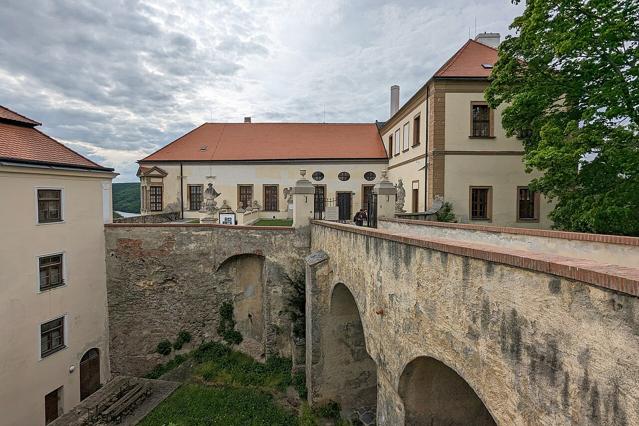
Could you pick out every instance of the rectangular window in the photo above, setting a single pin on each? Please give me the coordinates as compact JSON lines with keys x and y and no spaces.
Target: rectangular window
{"x":367,"y":190}
{"x":144,"y":199}
{"x":49,"y":205}
{"x":397,"y":142}
{"x":527,"y":204}
{"x":51,"y":272}
{"x":195,"y":197}
{"x":416,"y":130}
{"x":405,"y":138}
{"x":390,"y":146}
{"x":155,"y":198}
{"x":270,"y":198}
{"x":480,"y":203}
{"x":245,"y":196}
{"x":51,"y":337}
{"x":415,"y":196}
{"x":52,"y":405}
{"x":480,"y":120}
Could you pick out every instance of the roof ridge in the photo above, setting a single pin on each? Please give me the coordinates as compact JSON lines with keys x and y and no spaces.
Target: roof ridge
{"x":37,"y":123}
{"x":452,"y":59}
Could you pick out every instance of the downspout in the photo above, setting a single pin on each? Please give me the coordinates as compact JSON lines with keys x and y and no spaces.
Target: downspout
{"x":181,"y":192}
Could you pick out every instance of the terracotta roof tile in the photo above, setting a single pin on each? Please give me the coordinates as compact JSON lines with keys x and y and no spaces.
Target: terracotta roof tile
{"x":25,"y":144}
{"x":468,"y":61}
{"x":7,"y":114}
{"x":274,"y":141}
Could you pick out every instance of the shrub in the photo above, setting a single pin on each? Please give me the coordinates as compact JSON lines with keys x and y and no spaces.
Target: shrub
{"x":330,"y":410}
{"x":299,"y":383}
{"x":164,"y":347}
{"x":184,"y":336}
{"x":160,"y":369}
{"x":445,"y":214}
{"x":226,"y":329}
{"x":296,"y":304}
{"x":210,"y":351}
{"x":232,"y":337}
{"x":177,"y":345}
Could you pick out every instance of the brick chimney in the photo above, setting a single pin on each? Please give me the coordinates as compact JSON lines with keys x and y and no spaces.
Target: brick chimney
{"x":247,"y":119}
{"x":489,"y":39}
{"x":394,"y":100}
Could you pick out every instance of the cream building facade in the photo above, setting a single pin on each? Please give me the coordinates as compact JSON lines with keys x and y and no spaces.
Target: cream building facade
{"x":53,"y":279}
{"x":249,"y":163}
{"x":445,"y":142}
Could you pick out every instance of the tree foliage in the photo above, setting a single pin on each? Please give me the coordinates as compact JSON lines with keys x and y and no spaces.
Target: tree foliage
{"x":570,"y":78}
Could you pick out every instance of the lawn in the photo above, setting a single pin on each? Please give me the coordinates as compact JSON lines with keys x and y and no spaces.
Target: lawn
{"x":274,"y":222}
{"x":226,"y":387}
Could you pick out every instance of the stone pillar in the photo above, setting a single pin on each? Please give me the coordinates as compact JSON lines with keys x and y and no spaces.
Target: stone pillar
{"x":303,"y":201}
{"x":317,"y":302}
{"x":386,"y":197}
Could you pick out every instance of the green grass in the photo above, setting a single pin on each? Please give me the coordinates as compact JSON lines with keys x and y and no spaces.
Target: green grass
{"x":195,"y":404}
{"x":274,"y":222}
{"x":126,"y":197}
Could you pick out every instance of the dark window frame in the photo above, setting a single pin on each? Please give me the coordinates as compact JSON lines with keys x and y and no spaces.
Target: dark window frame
{"x":317,"y":176}
{"x":48,"y":264}
{"x":370,"y":176}
{"x":532,"y":207}
{"x":47,"y":331}
{"x":390,"y":145}
{"x":417,"y":129}
{"x":241,"y":196}
{"x":46,"y":202}
{"x":344,"y":176}
{"x":156,"y":201}
{"x":195,"y":197}
{"x":268,"y":204}
{"x":475,"y":209}
{"x":481,"y":127}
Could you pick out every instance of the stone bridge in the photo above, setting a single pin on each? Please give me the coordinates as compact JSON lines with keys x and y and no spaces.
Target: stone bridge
{"x":459,"y":324}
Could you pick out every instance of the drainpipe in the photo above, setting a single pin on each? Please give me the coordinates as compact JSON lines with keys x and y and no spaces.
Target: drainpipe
{"x":181,"y":192}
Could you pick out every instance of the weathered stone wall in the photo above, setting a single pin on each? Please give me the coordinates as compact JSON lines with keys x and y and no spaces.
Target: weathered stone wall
{"x":535,"y":348}
{"x":165,"y":278}
{"x":150,"y":218}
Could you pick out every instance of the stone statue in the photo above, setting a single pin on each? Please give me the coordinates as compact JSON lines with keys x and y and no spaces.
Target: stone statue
{"x":256,"y":205}
{"x":288,"y":194}
{"x":209,"y":205}
{"x":401,"y":197}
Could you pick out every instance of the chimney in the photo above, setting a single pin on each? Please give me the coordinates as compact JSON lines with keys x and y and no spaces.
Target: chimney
{"x":394,"y":100}
{"x":247,"y":119}
{"x":489,"y":39}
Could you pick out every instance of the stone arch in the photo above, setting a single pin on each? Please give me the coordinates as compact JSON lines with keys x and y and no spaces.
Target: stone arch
{"x":351,"y":373}
{"x":434,"y":393}
{"x":245,"y":274}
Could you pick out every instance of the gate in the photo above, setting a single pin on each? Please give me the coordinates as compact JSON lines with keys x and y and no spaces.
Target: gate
{"x":320,"y":204}
{"x":372,"y":210}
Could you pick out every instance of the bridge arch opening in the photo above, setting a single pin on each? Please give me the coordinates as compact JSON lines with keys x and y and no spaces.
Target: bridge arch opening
{"x":351,"y":372}
{"x":245,"y":276}
{"x":434,"y":394}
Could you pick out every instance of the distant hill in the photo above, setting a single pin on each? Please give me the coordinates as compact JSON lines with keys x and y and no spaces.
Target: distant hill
{"x":126,"y":197}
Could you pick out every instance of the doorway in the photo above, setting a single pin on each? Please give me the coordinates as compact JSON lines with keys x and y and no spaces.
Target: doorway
{"x":344,"y":201}
{"x":89,"y":373}
{"x":52,"y":404}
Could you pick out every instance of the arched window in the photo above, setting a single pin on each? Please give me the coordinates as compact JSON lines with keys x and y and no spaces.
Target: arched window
{"x":344,"y":176}
{"x":370,"y":176}
{"x":318,"y":176}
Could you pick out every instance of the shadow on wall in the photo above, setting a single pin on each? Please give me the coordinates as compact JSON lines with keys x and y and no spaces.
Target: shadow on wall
{"x":351,"y":372}
{"x":435,"y":394}
{"x":246,"y":275}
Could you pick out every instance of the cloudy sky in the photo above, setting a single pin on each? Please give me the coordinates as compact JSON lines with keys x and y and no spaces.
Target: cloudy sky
{"x":115,"y":80}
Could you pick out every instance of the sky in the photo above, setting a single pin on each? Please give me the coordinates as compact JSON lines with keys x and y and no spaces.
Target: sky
{"x":116,"y":80}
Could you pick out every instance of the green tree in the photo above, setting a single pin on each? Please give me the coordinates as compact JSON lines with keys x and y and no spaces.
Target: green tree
{"x":570,"y":79}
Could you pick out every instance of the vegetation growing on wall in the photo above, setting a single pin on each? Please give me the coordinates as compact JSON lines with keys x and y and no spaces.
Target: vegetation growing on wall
{"x":126,"y":197}
{"x":296,"y":303}
{"x":164,"y":347}
{"x":226,"y":329}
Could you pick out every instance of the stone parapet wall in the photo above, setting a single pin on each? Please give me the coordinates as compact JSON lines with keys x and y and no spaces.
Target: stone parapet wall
{"x":613,"y":249}
{"x":150,"y":218}
{"x":164,"y":278}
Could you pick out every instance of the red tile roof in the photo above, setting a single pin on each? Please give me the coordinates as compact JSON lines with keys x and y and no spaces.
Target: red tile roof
{"x":21,"y":142}
{"x":469,"y":60}
{"x":274,"y":141}
{"x":7,"y":115}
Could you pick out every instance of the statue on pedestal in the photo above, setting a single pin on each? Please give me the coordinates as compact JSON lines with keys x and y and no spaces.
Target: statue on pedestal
{"x":209,"y":205}
{"x":401,"y":197}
